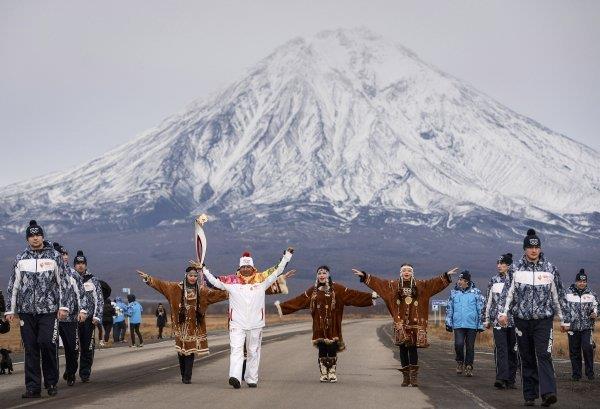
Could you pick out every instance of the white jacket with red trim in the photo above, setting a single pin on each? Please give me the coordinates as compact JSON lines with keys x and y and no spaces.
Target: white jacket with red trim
{"x":247,"y":301}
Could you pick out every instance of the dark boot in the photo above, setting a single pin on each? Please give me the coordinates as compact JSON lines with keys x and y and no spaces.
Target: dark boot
{"x":413,"y":370}
{"x":405,"y":375}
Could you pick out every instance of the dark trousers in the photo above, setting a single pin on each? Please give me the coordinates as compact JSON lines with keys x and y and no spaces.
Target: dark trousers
{"x":87,"y":344}
{"x":39,"y":334}
{"x":505,"y":354}
{"x":107,"y":327}
{"x":186,"y":364}
{"x":464,"y":339}
{"x":118,"y":331}
{"x":70,"y":340}
{"x":581,"y":341}
{"x":135,"y":329}
{"x":408,"y":356}
{"x":327,"y":350}
{"x":534,"y":338}
{"x":160,"y":331}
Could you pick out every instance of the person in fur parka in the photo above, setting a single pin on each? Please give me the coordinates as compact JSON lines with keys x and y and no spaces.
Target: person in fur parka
{"x":326,"y":301}
{"x":407,"y":300}
{"x":189,"y":302}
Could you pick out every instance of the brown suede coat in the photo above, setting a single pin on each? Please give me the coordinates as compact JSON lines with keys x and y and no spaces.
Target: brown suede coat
{"x":327,"y":310}
{"x":190,"y":337}
{"x":414,"y":317}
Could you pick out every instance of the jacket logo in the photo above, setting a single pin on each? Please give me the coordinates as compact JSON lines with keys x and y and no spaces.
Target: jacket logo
{"x":45,"y":264}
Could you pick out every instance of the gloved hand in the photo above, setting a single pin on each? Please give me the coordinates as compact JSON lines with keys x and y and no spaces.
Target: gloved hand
{"x":448,"y":328}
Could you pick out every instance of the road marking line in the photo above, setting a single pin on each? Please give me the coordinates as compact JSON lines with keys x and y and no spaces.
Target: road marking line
{"x":480,"y":402}
{"x":204,"y":357}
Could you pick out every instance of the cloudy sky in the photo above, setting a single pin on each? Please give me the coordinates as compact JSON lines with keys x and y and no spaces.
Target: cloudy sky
{"x":79,"y":78}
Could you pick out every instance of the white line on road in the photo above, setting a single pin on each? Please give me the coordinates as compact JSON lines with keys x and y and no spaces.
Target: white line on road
{"x":480,"y":402}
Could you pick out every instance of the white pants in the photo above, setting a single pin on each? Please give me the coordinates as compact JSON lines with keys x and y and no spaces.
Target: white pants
{"x":253,"y":339}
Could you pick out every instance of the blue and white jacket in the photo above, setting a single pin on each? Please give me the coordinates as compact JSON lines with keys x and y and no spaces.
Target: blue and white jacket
{"x":36,"y":283}
{"x":464,"y":308}
{"x":535,"y":292}
{"x":94,"y":300}
{"x":491,"y":307}
{"x":74,"y":295}
{"x":120,"y":308}
{"x":580,"y":305}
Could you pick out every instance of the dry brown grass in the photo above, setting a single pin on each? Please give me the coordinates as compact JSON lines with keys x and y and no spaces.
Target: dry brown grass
{"x":214,"y":322}
{"x":485,"y":340}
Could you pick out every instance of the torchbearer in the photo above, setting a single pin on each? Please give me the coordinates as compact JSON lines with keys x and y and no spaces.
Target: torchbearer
{"x":326,"y":300}
{"x":247,"y":317}
{"x":407,"y":300}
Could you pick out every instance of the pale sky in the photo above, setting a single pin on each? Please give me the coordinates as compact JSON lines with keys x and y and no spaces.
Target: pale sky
{"x":80,"y":78}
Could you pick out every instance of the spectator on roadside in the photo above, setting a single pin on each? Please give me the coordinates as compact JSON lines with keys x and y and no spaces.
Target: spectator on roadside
{"x":134,"y":312}
{"x":161,"y":319}
{"x":119,"y":320}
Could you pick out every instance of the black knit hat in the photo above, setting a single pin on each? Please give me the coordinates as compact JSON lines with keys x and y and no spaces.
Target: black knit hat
{"x":33,"y":230}
{"x":581,"y":276}
{"x":59,"y":248}
{"x":465,"y":274}
{"x":531,"y":240}
{"x":79,"y":258}
{"x":505,"y":259}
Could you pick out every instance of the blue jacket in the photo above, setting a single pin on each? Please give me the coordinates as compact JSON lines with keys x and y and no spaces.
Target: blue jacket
{"x":535,"y":292}
{"x":464,"y":308}
{"x":134,"y":311}
{"x":580,"y":305}
{"x":36,"y":283}
{"x":120,"y":308}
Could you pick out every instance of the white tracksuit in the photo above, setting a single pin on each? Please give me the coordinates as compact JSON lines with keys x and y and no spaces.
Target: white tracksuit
{"x":246,"y":320}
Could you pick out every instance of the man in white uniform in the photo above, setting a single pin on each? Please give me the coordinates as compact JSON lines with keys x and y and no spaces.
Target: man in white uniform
{"x":247,"y":317}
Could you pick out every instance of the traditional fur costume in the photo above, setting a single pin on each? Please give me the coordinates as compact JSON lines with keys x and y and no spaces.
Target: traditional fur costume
{"x":408,"y":304}
{"x":188,"y":309}
{"x":326,"y":303}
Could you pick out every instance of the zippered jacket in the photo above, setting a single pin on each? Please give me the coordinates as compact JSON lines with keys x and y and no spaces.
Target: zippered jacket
{"x":492,"y":299}
{"x":36,"y":282}
{"x":580,"y":305}
{"x":535,"y":292}
{"x":120,"y":308}
{"x":134,"y":312}
{"x":247,"y":301}
{"x":464,"y":308}
{"x":74,"y":295}
{"x":94,"y":300}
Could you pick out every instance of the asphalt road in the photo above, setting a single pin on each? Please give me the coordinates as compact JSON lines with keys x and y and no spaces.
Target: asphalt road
{"x":149,"y":377}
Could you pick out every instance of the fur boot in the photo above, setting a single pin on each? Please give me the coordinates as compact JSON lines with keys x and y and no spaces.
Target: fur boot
{"x":405,"y":376}
{"x":324,"y":377}
{"x":413,"y":370}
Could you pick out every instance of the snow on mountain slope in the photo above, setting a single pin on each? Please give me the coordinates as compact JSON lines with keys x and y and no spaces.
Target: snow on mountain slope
{"x":333,"y":126}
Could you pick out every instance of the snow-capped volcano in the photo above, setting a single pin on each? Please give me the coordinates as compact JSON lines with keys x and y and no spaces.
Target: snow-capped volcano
{"x":340,"y":126}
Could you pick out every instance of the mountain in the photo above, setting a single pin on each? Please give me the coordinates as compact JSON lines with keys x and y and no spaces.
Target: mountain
{"x":341,"y":130}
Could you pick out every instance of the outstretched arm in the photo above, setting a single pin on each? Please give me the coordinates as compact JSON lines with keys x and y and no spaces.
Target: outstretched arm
{"x":295,"y":304}
{"x":357,"y":298}
{"x":213,"y":281}
{"x":163,"y":287}
{"x":287,"y":256}
{"x":374,"y":283}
